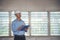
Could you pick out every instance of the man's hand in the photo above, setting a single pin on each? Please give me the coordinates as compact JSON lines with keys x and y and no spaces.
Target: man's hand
{"x":26,"y":29}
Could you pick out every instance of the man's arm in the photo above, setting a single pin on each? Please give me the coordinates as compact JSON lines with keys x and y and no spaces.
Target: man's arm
{"x":19,"y":28}
{"x":22,"y":26}
{"x":13,"y":27}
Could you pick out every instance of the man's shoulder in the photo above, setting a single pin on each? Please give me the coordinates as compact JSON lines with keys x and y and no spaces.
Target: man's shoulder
{"x":14,"y":21}
{"x":22,"y":21}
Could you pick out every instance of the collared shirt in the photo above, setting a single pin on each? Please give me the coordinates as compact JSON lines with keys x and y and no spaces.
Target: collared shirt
{"x":15,"y":25}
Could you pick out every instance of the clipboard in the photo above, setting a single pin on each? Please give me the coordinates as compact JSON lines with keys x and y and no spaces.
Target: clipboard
{"x":23,"y":28}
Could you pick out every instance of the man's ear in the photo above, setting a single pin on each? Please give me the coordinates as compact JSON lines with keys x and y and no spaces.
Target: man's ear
{"x":20,"y":15}
{"x":15,"y":14}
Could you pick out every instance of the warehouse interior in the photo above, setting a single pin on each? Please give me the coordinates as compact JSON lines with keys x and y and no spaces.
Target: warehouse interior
{"x":43,"y":16}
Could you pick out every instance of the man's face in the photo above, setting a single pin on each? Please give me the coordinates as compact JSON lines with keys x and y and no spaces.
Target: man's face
{"x":18,"y":15}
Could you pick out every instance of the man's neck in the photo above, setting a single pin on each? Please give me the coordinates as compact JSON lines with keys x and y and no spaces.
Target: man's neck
{"x":18,"y":19}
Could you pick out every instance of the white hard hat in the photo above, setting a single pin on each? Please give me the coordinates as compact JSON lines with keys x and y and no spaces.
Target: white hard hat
{"x":16,"y":12}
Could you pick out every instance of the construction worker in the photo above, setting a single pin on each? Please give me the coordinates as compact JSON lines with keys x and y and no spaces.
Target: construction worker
{"x":17,"y":24}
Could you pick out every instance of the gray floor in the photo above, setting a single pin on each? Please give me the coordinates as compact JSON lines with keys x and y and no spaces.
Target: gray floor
{"x":35,"y":38}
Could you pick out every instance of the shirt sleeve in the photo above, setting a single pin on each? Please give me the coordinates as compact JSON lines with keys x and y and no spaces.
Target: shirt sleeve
{"x":23,"y":23}
{"x":13,"y":27}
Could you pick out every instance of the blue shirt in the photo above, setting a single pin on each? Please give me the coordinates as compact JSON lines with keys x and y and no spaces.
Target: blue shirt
{"x":15,"y":25}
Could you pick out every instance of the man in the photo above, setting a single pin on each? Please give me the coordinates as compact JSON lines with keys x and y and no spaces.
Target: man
{"x":17,"y":24}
